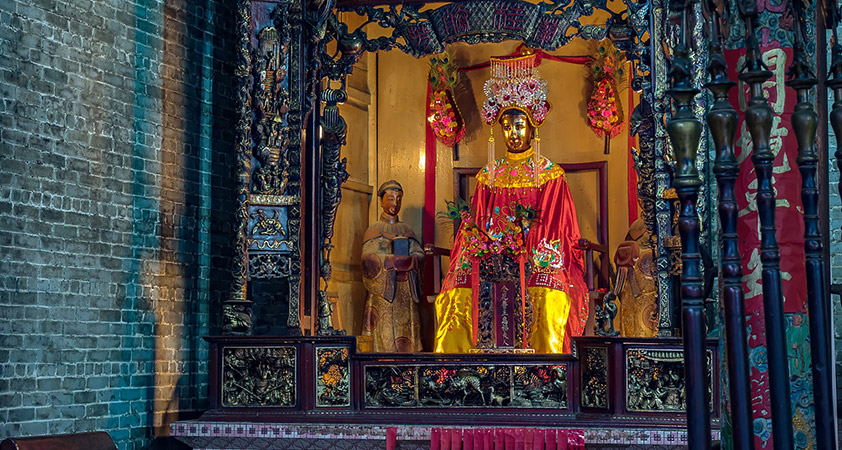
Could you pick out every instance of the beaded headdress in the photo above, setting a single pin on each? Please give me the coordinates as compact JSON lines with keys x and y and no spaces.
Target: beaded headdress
{"x":515,"y":84}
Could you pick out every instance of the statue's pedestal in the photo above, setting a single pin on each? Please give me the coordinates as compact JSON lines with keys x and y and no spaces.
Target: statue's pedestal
{"x":632,"y":386}
{"x":271,"y":435}
{"x":501,"y":351}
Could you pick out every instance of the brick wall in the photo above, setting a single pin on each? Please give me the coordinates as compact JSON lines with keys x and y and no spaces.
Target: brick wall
{"x":835,"y":213}
{"x":115,"y":200}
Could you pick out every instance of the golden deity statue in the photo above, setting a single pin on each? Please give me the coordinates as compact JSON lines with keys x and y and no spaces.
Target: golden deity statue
{"x":515,"y":269}
{"x":391,"y":261}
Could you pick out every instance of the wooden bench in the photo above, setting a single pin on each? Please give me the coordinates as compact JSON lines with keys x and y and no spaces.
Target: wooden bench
{"x":98,"y":440}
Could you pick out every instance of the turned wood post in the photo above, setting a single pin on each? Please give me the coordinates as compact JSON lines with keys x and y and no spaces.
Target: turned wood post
{"x":758,"y":116}
{"x":722,"y":121}
{"x":804,"y":124}
{"x":685,"y":131}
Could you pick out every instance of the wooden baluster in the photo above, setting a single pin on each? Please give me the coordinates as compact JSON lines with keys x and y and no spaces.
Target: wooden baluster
{"x":758,"y":116}
{"x":722,"y":121}
{"x":685,"y":131}
{"x":804,"y":124}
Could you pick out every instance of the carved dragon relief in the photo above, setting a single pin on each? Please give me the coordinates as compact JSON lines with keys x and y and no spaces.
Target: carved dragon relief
{"x":236,"y":311}
{"x":420,"y":31}
{"x":333,"y":175}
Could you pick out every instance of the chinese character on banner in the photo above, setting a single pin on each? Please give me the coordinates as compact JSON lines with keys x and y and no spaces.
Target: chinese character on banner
{"x":787,"y":185}
{"x":456,"y":21}
{"x":419,"y":36}
{"x":509,"y":16}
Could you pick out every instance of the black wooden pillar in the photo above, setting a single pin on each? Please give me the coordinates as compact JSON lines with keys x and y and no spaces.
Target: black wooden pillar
{"x":758,"y":116}
{"x":804,"y":124}
{"x":311,"y":194}
{"x":722,"y":121}
{"x":685,"y":131}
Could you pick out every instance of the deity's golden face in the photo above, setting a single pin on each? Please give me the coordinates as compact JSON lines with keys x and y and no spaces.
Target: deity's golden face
{"x":391,"y":202}
{"x":517,"y":131}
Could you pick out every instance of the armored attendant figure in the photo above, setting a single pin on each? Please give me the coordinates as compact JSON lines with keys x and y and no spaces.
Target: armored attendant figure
{"x":516,"y":274}
{"x":391,"y":260}
{"x":635,"y":262}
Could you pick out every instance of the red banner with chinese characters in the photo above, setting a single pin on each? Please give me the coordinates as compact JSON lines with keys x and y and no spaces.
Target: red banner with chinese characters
{"x":788,"y":210}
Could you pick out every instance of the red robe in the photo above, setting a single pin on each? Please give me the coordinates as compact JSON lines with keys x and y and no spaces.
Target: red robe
{"x":556,"y":285}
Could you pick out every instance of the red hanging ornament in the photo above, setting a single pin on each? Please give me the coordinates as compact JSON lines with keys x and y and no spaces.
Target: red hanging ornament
{"x":606,"y":71}
{"x":444,"y":117}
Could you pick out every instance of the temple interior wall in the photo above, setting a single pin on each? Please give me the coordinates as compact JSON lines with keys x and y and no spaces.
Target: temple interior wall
{"x":115,"y":211}
{"x":390,"y":130}
{"x":116,"y":200}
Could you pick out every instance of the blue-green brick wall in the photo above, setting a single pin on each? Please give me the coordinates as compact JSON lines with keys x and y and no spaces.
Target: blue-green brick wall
{"x":115,"y":211}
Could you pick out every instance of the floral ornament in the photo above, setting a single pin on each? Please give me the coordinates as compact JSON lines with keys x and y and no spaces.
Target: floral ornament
{"x":515,"y":84}
{"x":526,"y":214}
{"x":502,"y":233}
{"x":547,"y":255}
{"x":757,"y":358}
{"x":458,"y":209}
{"x":605,"y":112}
{"x":762,"y":428}
{"x":444,"y":116}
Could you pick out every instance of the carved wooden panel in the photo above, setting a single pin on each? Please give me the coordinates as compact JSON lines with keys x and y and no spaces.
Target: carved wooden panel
{"x":463,"y":385}
{"x":259,"y":376}
{"x":333,"y":376}
{"x":655,"y":380}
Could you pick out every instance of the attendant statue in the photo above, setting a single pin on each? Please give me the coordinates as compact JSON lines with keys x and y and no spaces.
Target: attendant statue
{"x":637,"y":284}
{"x":515,"y":279}
{"x":391,"y":261}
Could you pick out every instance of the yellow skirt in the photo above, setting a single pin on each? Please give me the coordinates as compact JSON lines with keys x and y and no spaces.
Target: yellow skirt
{"x":453,"y":314}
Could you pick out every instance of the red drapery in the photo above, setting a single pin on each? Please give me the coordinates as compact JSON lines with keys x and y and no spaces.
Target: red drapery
{"x":506,"y":439}
{"x":632,"y":173}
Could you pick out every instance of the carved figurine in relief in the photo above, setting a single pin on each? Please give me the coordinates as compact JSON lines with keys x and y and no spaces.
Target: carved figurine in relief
{"x":521,"y":222}
{"x":271,"y":104}
{"x":391,"y":262}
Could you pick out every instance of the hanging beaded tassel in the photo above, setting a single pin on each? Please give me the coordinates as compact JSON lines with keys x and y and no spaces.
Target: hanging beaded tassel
{"x":492,"y":164}
{"x":536,"y":159}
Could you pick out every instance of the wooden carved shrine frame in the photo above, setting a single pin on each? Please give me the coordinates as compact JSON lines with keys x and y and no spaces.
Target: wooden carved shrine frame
{"x":288,"y":199}
{"x":292,"y":61}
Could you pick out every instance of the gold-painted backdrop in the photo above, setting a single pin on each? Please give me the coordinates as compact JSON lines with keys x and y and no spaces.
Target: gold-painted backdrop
{"x":386,"y":119}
